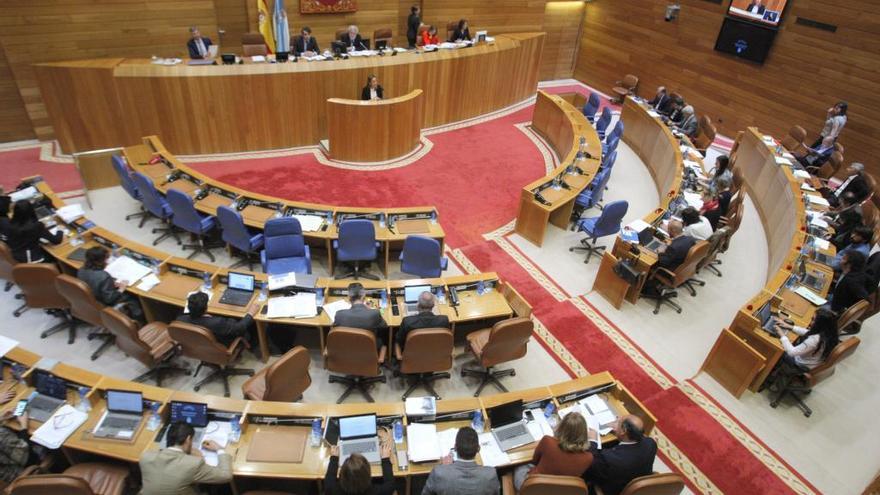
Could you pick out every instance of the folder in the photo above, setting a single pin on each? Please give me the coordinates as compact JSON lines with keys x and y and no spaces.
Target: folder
{"x":278,"y":444}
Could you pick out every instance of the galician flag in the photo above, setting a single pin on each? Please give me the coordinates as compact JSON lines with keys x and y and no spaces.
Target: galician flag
{"x":282,"y":33}
{"x":265,"y":25}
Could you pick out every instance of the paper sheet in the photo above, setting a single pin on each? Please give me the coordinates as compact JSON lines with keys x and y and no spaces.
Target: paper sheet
{"x":309,"y":223}
{"x":801,"y":174}
{"x":543,"y":424}
{"x":595,"y":404}
{"x":59,"y":427}
{"x":26,"y":193}
{"x":693,"y":199}
{"x":638,"y":225}
{"x":6,"y":345}
{"x":258,"y":58}
{"x":282,"y":280}
{"x":423,"y":442}
{"x":490,"y":451}
{"x":818,"y":222}
{"x":807,"y":187}
{"x":69,"y":213}
{"x":821,"y":243}
{"x":818,"y":200}
{"x":302,"y":305}
{"x":447,"y":440}
{"x":148,"y":282}
{"x":128,"y":270}
{"x":811,"y":296}
{"x":219,"y":433}
{"x":782,"y":161}
{"x":335,"y":306}
{"x":653,"y":113}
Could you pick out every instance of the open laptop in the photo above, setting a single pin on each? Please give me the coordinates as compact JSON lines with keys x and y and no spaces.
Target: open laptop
{"x":647,"y":239}
{"x":51,"y":393}
{"x":764,"y":315}
{"x":822,"y":258}
{"x":358,"y":435}
{"x":123,"y":416}
{"x":815,"y":282}
{"x":508,"y":426}
{"x":194,"y":414}
{"x":411,"y":297}
{"x":239,"y":289}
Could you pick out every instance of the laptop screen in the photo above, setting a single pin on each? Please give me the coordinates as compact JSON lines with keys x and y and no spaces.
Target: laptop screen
{"x":191,"y":413}
{"x":357,"y":426}
{"x":49,"y":384}
{"x":411,"y":294}
{"x":241,"y":281}
{"x":764,"y":313}
{"x":646,"y":236}
{"x":124,"y":401}
{"x":505,"y":414}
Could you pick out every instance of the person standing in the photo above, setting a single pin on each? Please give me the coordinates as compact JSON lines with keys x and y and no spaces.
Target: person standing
{"x":835,"y":120}
{"x":413,"y":23}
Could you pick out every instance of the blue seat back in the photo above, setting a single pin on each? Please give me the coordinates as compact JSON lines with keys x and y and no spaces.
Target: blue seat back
{"x":421,"y":256}
{"x":604,"y":120}
{"x":609,"y":220}
{"x":611,"y":145}
{"x":185,"y":215}
{"x":357,"y":240}
{"x":283,"y":238}
{"x":124,"y":174}
{"x":152,"y":200}
{"x":235,"y":233}
{"x":617,"y":132}
{"x":591,"y":106}
{"x":609,"y":159}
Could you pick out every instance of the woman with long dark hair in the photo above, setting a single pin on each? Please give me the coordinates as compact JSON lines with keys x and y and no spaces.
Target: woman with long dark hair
{"x":25,"y":233}
{"x":813,"y":345}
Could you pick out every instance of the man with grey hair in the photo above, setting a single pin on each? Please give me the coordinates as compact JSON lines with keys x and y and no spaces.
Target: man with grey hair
{"x":688,"y":123}
{"x":353,"y":40}
{"x":360,"y":315}
{"x":424,"y":319}
{"x":198,"y":44}
{"x":854,"y":183}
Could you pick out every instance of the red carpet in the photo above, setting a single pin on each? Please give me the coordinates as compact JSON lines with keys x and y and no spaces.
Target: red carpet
{"x":18,"y":164}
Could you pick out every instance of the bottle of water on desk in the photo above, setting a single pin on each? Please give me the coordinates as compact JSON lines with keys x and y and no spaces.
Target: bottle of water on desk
{"x":84,"y":405}
{"x":440,"y":294}
{"x":264,"y":292}
{"x":383,"y":299}
{"x":234,"y":430}
{"x":315,"y":436}
{"x":206,"y":281}
{"x":398,"y":432}
{"x":155,"y":420}
{"x":481,"y":287}
{"x":319,"y":297}
{"x":477,"y":421}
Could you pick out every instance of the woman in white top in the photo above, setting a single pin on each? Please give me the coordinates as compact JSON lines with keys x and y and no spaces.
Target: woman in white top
{"x":695,"y":225}
{"x":813,"y":345}
{"x":834,"y":122}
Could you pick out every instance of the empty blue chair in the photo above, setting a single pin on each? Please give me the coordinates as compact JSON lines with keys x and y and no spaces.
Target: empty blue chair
{"x":125,"y":180}
{"x":608,"y":160}
{"x":285,"y":248}
{"x":422,"y":256}
{"x":155,"y":205}
{"x":617,"y":132}
{"x":591,"y":107}
{"x":593,"y":195}
{"x":356,"y":244}
{"x":238,"y":236}
{"x":608,"y":223}
{"x":610,"y":145}
{"x":187,"y":218}
{"x":602,"y":123}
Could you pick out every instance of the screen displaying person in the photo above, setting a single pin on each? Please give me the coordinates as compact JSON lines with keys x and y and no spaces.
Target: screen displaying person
{"x":756,"y":7}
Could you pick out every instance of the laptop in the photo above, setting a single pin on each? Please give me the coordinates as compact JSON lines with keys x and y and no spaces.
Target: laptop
{"x":808,"y":279}
{"x":239,"y":289}
{"x":411,"y":297}
{"x":51,"y":394}
{"x":194,"y":414}
{"x":358,"y":435}
{"x":764,"y":315}
{"x":508,"y":426}
{"x":125,"y":411}
{"x":647,"y":239}
{"x":822,"y":258}
{"x":78,"y":254}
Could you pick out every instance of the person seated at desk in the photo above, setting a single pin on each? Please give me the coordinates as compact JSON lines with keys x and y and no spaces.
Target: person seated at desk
{"x":860,"y":240}
{"x":673,"y":254}
{"x":695,"y":225}
{"x":225,"y":329}
{"x":633,"y":456}
{"x":198,"y":44}
{"x":461,"y":32}
{"x":844,"y":220}
{"x":809,"y":350}
{"x":16,"y":451}
{"x":855,"y":183}
{"x":672,"y":112}
{"x":852,"y":286}
{"x":566,"y":454}
{"x":756,"y":7}
{"x":372,"y":91}
{"x":719,"y":171}
{"x":352,"y":40}
{"x":464,"y":476}
{"x":26,"y":233}
{"x":687,"y":123}
{"x":306,"y":44}
{"x":816,"y":157}
{"x":106,"y":289}
{"x":429,"y":37}
{"x":5,"y":221}
{"x":362,"y":316}
{"x":178,"y":468}
{"x":425,"y":319}
{"x":354,"y":477}
{"x":718,"y":202}
{"x":660,"y":99}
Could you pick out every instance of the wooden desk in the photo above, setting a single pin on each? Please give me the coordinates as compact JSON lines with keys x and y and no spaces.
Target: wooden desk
{"x":375,"y":131}
{"x":216,"y":109}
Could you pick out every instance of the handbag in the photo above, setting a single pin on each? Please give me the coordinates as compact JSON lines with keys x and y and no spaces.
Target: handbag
{"x":626,"y":270}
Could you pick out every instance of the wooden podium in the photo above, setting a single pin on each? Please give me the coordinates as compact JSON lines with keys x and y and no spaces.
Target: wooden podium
{"x":374,"y":131}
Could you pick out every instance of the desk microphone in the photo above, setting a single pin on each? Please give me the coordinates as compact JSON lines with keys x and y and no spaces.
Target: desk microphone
{"x":453,"y":299}
{"x":540,"y":199}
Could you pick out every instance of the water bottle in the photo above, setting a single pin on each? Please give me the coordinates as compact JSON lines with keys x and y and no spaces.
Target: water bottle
{"x":779,"y":149}
{"x":83,"y":404}
{"x":206,"y":278}
{"x":329,"y":218}
{"x":481,"y":287}
{"x":398,"y":432}
{"x":116,"y":252}
{"x":264,"y":292}
{"x":315,"y":436}
{"x":477,"y":421}
{"x":440,"y":294}
{"x":154,"y":263}
{"x":277,"y":214}
{"x":319,"y":297}
{"x":77,"y":239}
{"x":382,"y":221}
{"x":155,"y":420}
{"x":383,"y":299}
{"x":433,"y":217}
{"x":549,"y":411}
{"x":234,"y":430}
{"x":18,"y":372}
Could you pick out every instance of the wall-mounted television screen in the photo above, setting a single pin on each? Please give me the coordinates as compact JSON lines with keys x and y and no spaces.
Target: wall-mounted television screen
{"x":745,"y":40}
{"x":767,"y":12}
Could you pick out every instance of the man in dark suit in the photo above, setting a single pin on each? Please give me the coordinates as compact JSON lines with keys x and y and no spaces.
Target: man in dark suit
{"x":673,"y":254}
{"x":352,"y":40}
{"x":756,"y":7}
{"x":660,"y":99}
{"x":106,"y":289}
{"x":425,"y":319}
{"x":632,"y":457}
{"x":852,"y":286}
{"x":845,"y":219}
{"x":362,"y":316}
{"x":225,"y":330}
{"x":198,"y":44}
{"x":305,"y":43}
{"x":855,"y":183}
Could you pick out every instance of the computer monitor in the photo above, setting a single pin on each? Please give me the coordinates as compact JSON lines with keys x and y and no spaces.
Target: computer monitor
{"x":48,"y":384}
{"x":505,"y":414}
{"x":381,"y":44}
{"x":480,"y":36}
{"x":191,"y":413}
{"x":281,"y":56}
{"x":125,"y":401}
{"x":764,"y":313}
{"x":411,"y":293}
{"x":357,"y":426}
{"x":241,"y":281}
{"x":228,"y":58}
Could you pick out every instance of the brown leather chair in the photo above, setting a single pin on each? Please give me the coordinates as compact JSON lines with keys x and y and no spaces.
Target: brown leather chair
{"x":450,"y":29}
{"x":90,"y":478}
{"x":681,"y":277}
{"x":870,"y":215}
{"x":804,"y":383}
{"x":426,"y":357}
{"x":654,"y":484}
{"x":738,"y":180}
{"x":626,"y":87}
{"x":716,"y":241}
{"x":253,"y":44}
{"x":505,"y":341}
{"x":284,"y":380}
{"x":37,"y":284}
{"x":199,"y":343}
{"x":546,"y":484}
{"x":848,"y":322}
{"x":794,"y":141}
{"x":150,"y":344}
{"x":352,"y":351}
{"x":382,"y":34}
{"x":705,"y":134}
{"x":340,"y":33}
{"x":6,"y":264}
{"x":84,"y":307}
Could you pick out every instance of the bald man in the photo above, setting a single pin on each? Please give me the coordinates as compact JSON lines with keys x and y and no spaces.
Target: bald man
{"x":632,"y":457}
{"x":673,"y":254}
{"x":424,"y":319}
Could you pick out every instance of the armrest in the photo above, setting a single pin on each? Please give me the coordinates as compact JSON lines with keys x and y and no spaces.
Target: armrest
{"x":507,"y":487}
{"x":382,"y":354}
{"x":237,"y":346}
{"x":664,"y":275}
{"x":444,"y":262}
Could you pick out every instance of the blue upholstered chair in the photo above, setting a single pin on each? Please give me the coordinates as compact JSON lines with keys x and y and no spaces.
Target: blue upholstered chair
{"x":156,"y":206}
{"x":187,"y":218}
{"x":608,"y":223}
{"x":617,"y":132}
{"x":356,"y":244}
{"x":285,"y":248}
{"x":608,"y":160}
{"x":602,"y":123}
{"x":238,"y":236}
{"x":610,"y":145}
{"x":125,"y":180}
{"x":591,"y":107}
{"x":422,"y":256}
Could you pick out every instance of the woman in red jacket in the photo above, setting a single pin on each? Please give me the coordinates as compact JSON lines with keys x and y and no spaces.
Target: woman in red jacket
{"x":429,"y":36}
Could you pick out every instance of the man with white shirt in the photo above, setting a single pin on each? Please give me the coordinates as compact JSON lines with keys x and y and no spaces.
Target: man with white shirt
{"x":198,"y":45}
{"x":178,"y":468}
{"x":696,"y":225}
{"x":614,"y":467}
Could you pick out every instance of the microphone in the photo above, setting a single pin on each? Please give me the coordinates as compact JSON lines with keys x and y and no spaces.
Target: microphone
{"x":453,"y":299}
{"x":540,"y":199}
{"x":363,"y":45}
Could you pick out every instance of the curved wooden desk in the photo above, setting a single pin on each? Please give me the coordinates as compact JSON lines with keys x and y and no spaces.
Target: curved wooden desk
{"x":229,"y":108}
{"x":375,"y":131}
{"x":563,"y":126}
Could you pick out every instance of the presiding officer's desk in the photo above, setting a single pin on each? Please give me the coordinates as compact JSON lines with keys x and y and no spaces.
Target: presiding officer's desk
{"x":252,"y":107}
{"x":375,"y":130}
{"x":392,"y":224}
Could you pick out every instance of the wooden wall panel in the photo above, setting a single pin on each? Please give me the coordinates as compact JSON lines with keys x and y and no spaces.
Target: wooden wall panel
{"x":806,"y":72}
{"x":14,"y":122}
{"x":562,"y":23}
{"x":232,"y":19}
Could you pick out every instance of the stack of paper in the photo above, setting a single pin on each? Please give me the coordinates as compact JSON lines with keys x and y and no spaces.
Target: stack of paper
{"x":309,"y":223}
{"x":447,"y":440}
{"x":800,"y":174}
{"x":599,"y":410}
{"x":423,"y":442}
{"x":638,"y":225}
{"x":421,"y":406}
{"x":809,"y":295}
{"x":148,"y":282}
{"x":335,"y":306}
{"x":821,"y":243}
{"x":258,"y":58}
{"x":26,"y":193}
{"x":127,"y":270}
{"x":693,"y":199}
{"x":69,"y":213}
{"x":59,"y":427}
{"x":219,"y":433}
{"x":490,"y":451}
{"x":653,"y":113}
{"x":302,"y":305}
{"x":540,"y":421}
{"x":782,"y":161}
{"x":807,"y":187}
{"x":818,"y":222}
{"x":818,"y":200}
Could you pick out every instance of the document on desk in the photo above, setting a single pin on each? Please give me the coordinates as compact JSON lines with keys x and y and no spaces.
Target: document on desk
{"x":128,"y":270}
{"x":69,"y":213}
{"x":818,"y":222}
{"x":310,"y":223}
{"x":817,"y":200}
{"x":447,"y":440}
{"x":782,"y":161}
{"x":218,"y":432}
{"x":335,"y":306}
{"x":693,"y":199}
{"x":822,"y":244}
{"x":490,"y":451}
{"x":807,"y":187}
{"x":653,"y":113}
{"x":595,"y":404}
{"x":148,"y":282}
{"x":423,"y":442}
{"x":638,"y":225}
{"x":302,"y":305}
{"x":59,"y":427}
{"x":26,"y":193}
{"x":800,"y":174}
{"x":809,"y":295}
{"x":542,"y":423}
{"x":6,"y":345}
